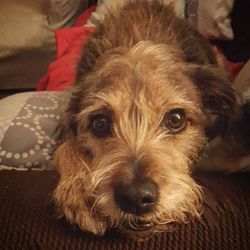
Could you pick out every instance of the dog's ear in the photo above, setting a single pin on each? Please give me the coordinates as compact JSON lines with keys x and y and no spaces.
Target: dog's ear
{"x":95,"y":47}
{"x":70,"y":157}
{"x":219,"y":99}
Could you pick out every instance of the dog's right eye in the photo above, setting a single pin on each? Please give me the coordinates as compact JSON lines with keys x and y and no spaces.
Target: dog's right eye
{"x":100,"y":125}
{"x":175,"y":120}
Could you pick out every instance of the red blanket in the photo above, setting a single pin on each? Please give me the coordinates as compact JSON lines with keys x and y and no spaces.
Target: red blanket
{"x":69,"y":43}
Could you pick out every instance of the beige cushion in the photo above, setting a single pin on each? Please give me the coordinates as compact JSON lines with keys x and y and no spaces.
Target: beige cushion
{"x":27,"y":40}
{"x":214,"y":19}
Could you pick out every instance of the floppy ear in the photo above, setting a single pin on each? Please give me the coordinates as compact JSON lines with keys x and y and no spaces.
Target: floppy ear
{"x":218,"y":97}
{"x":71,"y":157}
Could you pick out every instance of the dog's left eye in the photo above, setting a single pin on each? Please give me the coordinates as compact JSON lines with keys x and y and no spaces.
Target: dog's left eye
{"x":175,"y":120}
{"x":100,"y":125}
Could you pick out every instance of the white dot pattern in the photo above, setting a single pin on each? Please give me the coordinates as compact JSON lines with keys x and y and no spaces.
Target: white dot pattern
{"x":27,"y":130}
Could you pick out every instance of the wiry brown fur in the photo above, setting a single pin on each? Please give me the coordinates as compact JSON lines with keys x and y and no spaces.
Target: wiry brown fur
{"x":141,"y":62}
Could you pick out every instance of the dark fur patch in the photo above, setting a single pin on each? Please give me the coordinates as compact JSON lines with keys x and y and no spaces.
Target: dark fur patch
{"x":239,"y":134}
{"x":219,"y":98}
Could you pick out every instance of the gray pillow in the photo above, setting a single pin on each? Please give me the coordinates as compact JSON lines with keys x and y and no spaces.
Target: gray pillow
{"x":30,"y":129}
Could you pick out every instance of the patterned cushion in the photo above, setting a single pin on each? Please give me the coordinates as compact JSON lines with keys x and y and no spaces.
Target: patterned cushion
{"x":29,"y":129}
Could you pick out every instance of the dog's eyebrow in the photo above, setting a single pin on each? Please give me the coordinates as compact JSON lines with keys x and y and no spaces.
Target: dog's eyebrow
{"x":101,"y":110}
{"x":93,"y":110}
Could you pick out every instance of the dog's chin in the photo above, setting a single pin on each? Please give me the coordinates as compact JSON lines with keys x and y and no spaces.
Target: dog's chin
{"x":142,"y":230}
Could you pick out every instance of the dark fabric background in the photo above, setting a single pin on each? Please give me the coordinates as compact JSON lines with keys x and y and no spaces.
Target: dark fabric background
{"x":28,"y":220}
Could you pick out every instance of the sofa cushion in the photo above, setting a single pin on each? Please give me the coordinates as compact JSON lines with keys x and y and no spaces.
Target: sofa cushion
{"x":30,"y":129}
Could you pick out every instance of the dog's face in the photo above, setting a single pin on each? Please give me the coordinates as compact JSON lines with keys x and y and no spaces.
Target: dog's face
{"x":139,"y":127}
{"x":139,"y":123}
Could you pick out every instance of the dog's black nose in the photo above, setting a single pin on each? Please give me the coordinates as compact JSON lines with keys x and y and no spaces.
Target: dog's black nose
{"x":137,"y":197}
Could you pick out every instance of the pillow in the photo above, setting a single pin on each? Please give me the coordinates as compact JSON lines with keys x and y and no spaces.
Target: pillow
{"x":63,"y":14}
{"x":214,"y":19}
{"x":30,"y":129}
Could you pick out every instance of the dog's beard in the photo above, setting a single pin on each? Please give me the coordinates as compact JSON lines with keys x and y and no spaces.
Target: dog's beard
{"x":87,"y":198}
{"x":179,"y":205}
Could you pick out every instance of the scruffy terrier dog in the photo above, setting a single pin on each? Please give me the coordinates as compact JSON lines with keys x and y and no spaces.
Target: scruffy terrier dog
{"x":149,"y":96}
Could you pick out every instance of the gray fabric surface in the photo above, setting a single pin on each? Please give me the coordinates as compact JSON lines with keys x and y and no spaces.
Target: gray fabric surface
{"x":30,"y":129}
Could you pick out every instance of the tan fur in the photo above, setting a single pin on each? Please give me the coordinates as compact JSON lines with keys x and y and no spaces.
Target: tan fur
{"x":137,"y":80}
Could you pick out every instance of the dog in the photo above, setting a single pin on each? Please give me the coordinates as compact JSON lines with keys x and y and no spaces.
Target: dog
{"x":149,"y":96}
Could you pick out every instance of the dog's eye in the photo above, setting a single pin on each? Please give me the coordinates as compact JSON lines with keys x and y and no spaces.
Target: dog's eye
{"x":175,"y":120}
{"x":100,"y":125}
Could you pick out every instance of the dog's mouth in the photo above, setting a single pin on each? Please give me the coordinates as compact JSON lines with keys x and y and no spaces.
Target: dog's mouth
{"x":138,"y":226}
{"x":139,"y":230}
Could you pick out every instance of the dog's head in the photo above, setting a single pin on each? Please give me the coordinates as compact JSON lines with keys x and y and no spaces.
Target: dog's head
{"x":139,"y":122}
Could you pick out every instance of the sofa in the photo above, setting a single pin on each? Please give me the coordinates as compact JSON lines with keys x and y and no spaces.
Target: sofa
{"x":27,"y":43}
{"x":28,"y":216}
